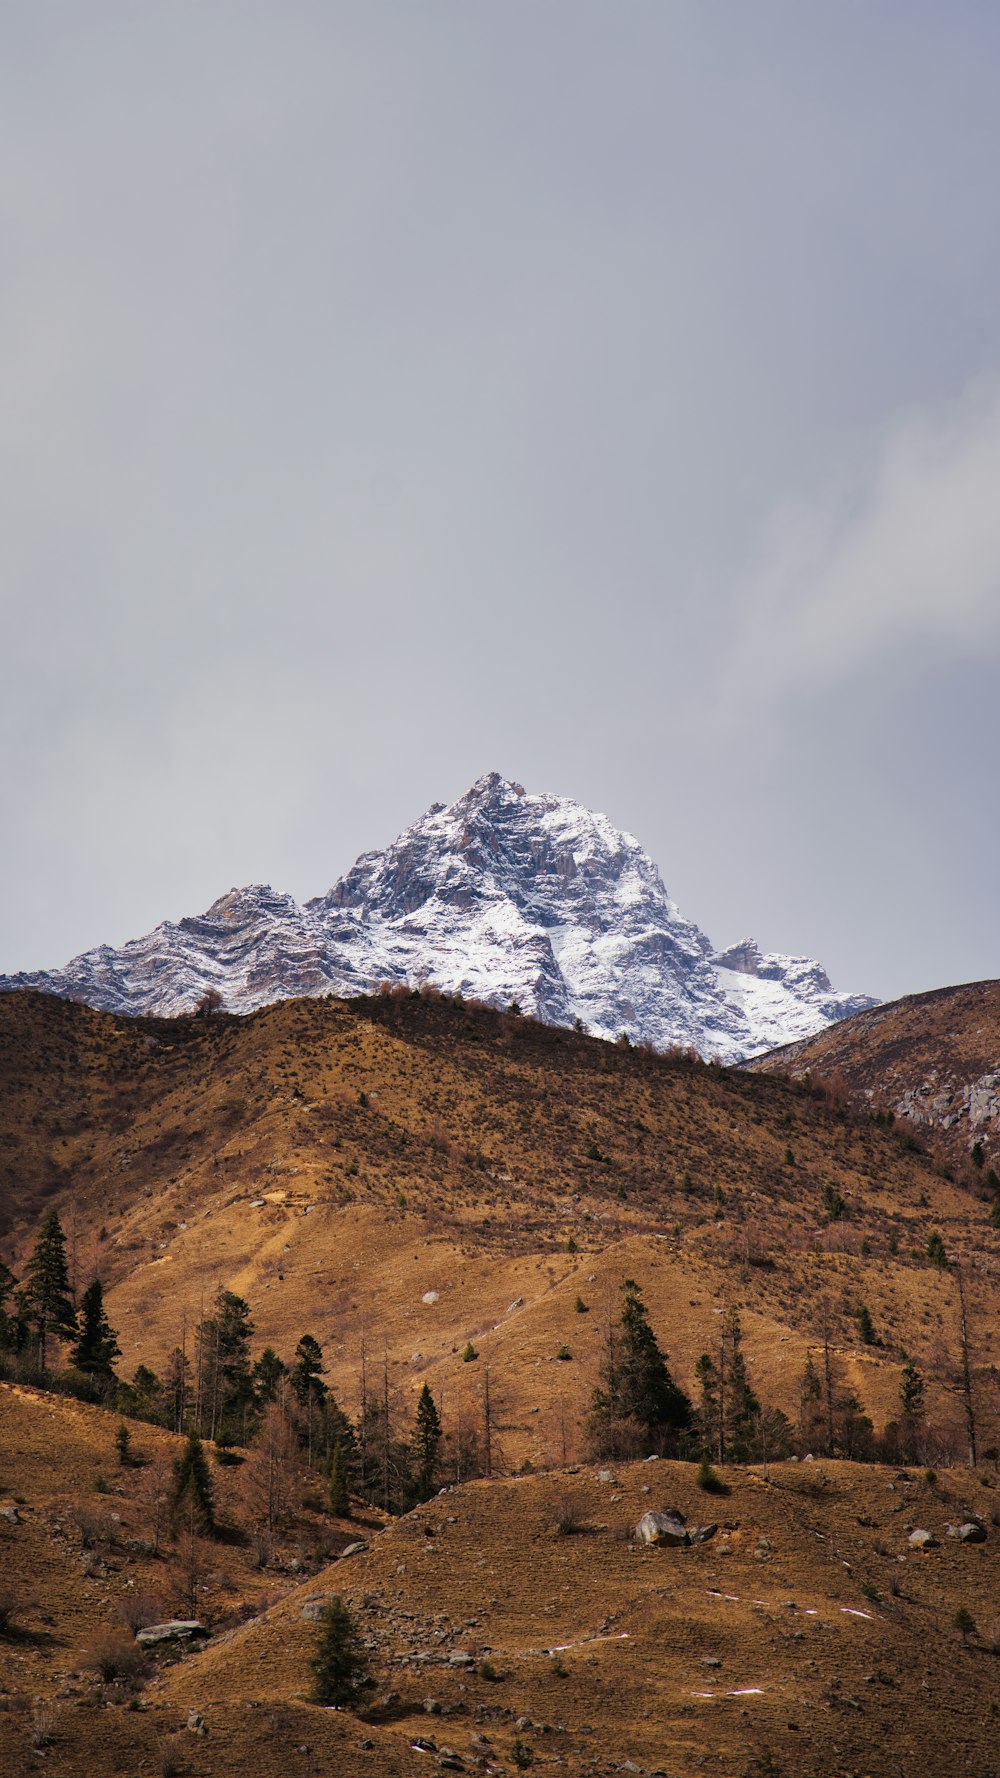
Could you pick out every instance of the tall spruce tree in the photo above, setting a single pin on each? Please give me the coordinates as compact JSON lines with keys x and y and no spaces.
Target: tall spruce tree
{"x":8,"y":1322}
{"x":192,"y":1491}
{"x":638,"y":1406}
{"x":426,"y":1442}
{"x":226,"y":1393}
{"x":46,"y":1294}
{"x":97,"y":1347}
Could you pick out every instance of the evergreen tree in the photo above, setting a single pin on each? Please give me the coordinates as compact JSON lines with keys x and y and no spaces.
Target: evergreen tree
{"x":192,"y":1487}
{"x":339,"y":1494}
{"x":339,"y":1663}
{"x":307,"y":1372}
{"x":176,"y":1390}
{"x":97,"y":1347}
{"x":707,"y":1375}
{"x":426,"y":1442}
{"x":911,"y":1400}
{"x":811,"y":1425}
{"x":638,"y":1405}
{"x":46,"y":1294}
{"x":742,"y":1406}
{"x":267,"y":1374}
{"x":226,"y":1394}
{"x":8,"y":1323}
{"x":866,"y":1326}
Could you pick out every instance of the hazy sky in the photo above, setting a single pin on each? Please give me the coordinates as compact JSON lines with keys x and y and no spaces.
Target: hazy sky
{"x":605,"y":394}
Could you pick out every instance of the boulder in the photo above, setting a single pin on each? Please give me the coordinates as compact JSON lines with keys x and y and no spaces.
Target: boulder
{"x":701,"y":1533}
{"x":667,"y":1528}
{"x":177,"y":1630}
{"x":353,"y":1549}
{"x":922,"y":1540}
{"x":314,"y":1608}
{"x":970,"y":1531}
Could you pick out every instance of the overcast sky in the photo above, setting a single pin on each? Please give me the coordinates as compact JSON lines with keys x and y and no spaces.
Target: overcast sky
{"x":605,"y":394}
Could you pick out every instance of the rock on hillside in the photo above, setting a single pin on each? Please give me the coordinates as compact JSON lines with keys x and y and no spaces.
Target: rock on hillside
{"x":502,"y":896}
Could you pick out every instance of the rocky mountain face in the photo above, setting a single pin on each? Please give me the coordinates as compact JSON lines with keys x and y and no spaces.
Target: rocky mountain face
{"x":503,"y":896}
{"x":931,"y":1059}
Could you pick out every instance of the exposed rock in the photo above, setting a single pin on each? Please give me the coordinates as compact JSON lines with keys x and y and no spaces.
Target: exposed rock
{"x":970,"y":1531}
{"x":176,"y":1630}
{"x":353,"y":1549}
{"x":196,"y":1723}
{"x":668,"y":1528}
{"x":922,"y":1540}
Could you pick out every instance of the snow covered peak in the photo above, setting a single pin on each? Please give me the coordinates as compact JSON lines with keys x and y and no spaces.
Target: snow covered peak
{"x":502,"y":895}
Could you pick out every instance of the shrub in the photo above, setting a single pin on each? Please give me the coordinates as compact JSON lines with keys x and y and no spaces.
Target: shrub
{"x":43,"y":1725}
{"x":569,"y":1518}
{"x":339,"y":1663}
{"x":470,"y":1354}
{"x":581,"y":1307}
{"x":564,"y":1353}
{"x":936,"y":1251}
{"x":123,"y":1445}
{"x":709,"y":1480}
{"x":521,"y":1754}
{"x":136,"y":1610}
{"x":964,"y":1622}
{"x":486,"y":1670}
{"x":10,"y":1607}
{"x":113,"y":1656}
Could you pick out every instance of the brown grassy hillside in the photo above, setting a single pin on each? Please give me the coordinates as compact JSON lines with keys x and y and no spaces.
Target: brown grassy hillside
{"x":808,"y":1637}
{"x":334,"y":1162}
{"x":932,"y":1059}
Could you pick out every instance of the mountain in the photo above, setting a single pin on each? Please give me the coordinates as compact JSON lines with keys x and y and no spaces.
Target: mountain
{"x":933,"y":1060}
{"x":502,"y":896}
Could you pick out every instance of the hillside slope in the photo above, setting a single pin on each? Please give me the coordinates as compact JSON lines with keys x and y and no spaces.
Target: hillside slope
{"x":807,"y":1637}
{"x":932,"y":1059}
{"x":426,"y":1173}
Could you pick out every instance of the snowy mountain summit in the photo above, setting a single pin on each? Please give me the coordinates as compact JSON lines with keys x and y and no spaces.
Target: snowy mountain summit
{"x":502,"y":896}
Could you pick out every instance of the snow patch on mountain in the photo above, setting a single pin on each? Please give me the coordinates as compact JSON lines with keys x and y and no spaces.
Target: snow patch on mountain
{"x":501,"y":896}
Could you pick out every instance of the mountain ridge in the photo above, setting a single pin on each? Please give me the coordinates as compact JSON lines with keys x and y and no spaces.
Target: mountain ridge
{"x":501,"y":896}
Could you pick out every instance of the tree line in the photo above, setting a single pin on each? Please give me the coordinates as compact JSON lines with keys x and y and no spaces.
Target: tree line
{"x":218,"y":1390}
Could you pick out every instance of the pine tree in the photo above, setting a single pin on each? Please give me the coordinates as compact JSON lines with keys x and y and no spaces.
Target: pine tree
{"x":339,"y":1663}
{"x":708,"y":1407}
{"x":339,"y":1494}
{"x":267,"y":1374}
{"x":638,"y":1404}
{"x":227,"y":1393}
{"x":810,"y":1405}
{"x":192,"y":1483}
{"x":866,"y":1326}
{"x":307,"y":1372}
{"x":97,"y":1347}
{"x":46,"y":1293}
{"x":742,"y":1409}
{"x":8,"y":1322}
{"x":426,"y":1441}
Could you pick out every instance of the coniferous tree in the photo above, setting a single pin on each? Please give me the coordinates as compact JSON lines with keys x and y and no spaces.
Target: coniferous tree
{"x":46,"y":1294}
{"x":340,"y":1499}
{"x":811,"y":1426}
{"x":176,"y":1390}
{"x":9,"y":1327}
{"x":743,"y":1410}
{"x":707,"y":1374}
{"x":227,"y":1394}
{"x":97,"y":1347}
{"x":307,"y":1372}
{"x":267,"y":1374}
{"x":638,"y":1406}
{"x":426,"y":1443}
{"x":340,"y":1666}
{"x":192,"y":1492}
